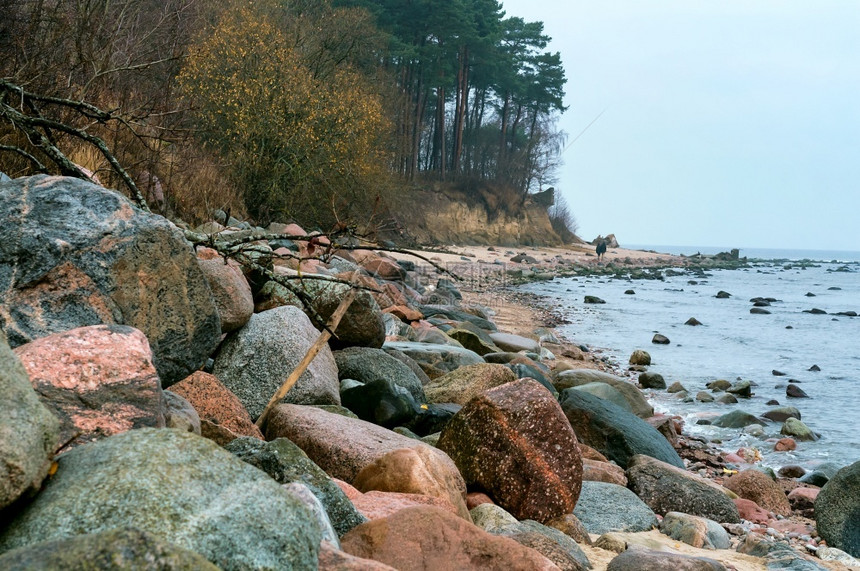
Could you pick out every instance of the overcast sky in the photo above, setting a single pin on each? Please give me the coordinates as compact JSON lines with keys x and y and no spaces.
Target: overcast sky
{"x":730,"y":123}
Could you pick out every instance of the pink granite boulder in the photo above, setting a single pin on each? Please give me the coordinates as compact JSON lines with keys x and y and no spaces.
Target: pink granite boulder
{"x":98,"y":380}
{"x":229,"y":287}
{"x":515,"y":443}
{"x":760,"y":488}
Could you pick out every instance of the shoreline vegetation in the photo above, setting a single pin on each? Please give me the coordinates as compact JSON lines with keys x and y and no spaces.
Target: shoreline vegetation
{"x":442,"y":425}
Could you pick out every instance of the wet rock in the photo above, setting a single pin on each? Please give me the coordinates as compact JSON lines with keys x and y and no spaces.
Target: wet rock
{"x":463,"y":384}
{"x":367,"y":364}
{"x":652,"y":381}
{"x":222,"y":416}
{"x":697,"y":531}
{"x":127,"y":548}
{"x":723,"y":295}
{"x":719,"y":385}
{"x":692,"y":321}
{"x":759,"y":311}
{"x":821,"y":474}
{"x":660,"y":339}
{"x":230,"y":289}
{"x":676,"y":387}
{"x":704,"y":396}
{"x":797,"y":430}
{"x":640,"y":357}
{"x":641,"y":559}
{"x":593,"y":299}
{"x":741,"y":389}
{"x":760,"y":488}
{"x":75,"y":254}
{"x":604,"y":507}
{"x":791,"y":471}
{"x":814,"y":368}
{"x":578,"y":377}
{"x":178,"y":486}
{"x":254,"y":361}
{"x":514,"y":442}
{"x":413,"y":471}
{"x":381,"y":402}
{"x":782,"y":414}
{"x":285,"y":463}
{"x":340,"y":445}
{"x":29,"y":432}
{"x":793,"y":391}
{"x":735,"y":419}
{"x":802,"y":500}
{"x":649,"y":479}
{"x":98,"y":380}
{"x":614,"y":432}
{"x":727,"y":399}
{"x":785,"y":445}
{"x":422,"y":538}
{"x":837,"y":510}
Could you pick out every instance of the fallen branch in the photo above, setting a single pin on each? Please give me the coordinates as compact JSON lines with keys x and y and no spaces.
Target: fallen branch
{"x":321,"y":342}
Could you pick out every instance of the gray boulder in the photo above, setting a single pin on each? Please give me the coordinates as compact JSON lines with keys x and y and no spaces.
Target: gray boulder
{"x":285,"y":463}
{"x":28,"y":431}
{"x":180,"y":487}
{"x":433,"y":358}
{"x":180,"y":414}
{"x":696,"y":531}
{"x":366,"y":364}
{"x":666,"y":488}
{"x":613,"y":431}
{"x":736,"y":419}
{"x":577,"y":377}
{"x":549,"y":542}
{"x":604,"y":507}
{"x":362,"y":324}
{"x":643,"y":559}
{"x":73,"y":254}
{"x":837,"y":510}
{"x":254,"y":361}
{"x":606,"y":392}
{"x":652,"y":381}
{"x":125,"y":548}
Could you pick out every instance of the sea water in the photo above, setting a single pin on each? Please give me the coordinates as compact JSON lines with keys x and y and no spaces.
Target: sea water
{"x":734,"y":344}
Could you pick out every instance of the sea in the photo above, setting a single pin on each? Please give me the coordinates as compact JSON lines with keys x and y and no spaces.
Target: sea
{"x":734,"y":344}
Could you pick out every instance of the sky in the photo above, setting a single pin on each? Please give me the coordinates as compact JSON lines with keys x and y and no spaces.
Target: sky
{"x":731,"y":123}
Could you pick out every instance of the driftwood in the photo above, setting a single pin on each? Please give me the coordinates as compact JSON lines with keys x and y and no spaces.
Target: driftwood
{"x":321,"y":341}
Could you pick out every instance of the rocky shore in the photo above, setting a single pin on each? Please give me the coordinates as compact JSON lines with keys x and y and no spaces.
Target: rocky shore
{"x":443,"y":426}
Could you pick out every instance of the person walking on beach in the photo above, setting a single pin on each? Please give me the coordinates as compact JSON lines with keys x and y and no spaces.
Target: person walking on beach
{"x":601,"y":249}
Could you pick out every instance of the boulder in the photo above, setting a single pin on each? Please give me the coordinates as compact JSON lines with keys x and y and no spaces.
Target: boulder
{"x":463,"y":384}
{"x":230,"y":289}
{"x":604,"y":507}
{"x":578,"y":377}
{"x":606,"y":392}
{"x":381,"y":402}
{"x":285,"y":463}
{"x":570,"y":525}
{"x":676,"y":387}
{"x":515,"y":343}
{"x":719,"y":385}
{"x":613,"y":431}
{"x":652,"y":381}
{"x":514,"y":442}
{"x":595,"y":471}
{"x":333,"y":559}
{"x":254,"y":361}
{"x":222,"y":415}
{"x":340,"y":445}
{"x":697,"y":531}
{"x":802,"y":500}
{"x":367,"y":364}
{"x":474,"y":339}
{"x":821,"y":474}
{"x":837,"y":510}
{"x":741,"y":389}
{"x":98,"y":380}
{"x":782,"y":413}
{"x":492,"y":518}
{"x":377,"y":505}
{"x":660,"y":339}
{"x":454,"y":313}
{"x":736,"y":419}
{"x":74,"y":254}
{"x":691,"y":494}
{"x":549,"y":542}
{"x":414,"y":471}
{"x":642,"y":559}
{"x":420,"y":538}
{"x":797,"y":430}
{"x":785,"y":445}
{"x":760,"y":488}
{"x":433,"y":358}
{"x":751,"y":511}
{"x":640,"y":357}
{"x":323,"y":523}
{"x":125,"y":548}
{"x":362,"y":324}
{"x":179,"y":414}
{"x":793,"y":391}
{"x":180,"y":487}
{"x":593,"y":299}
{"x":29,"y":432}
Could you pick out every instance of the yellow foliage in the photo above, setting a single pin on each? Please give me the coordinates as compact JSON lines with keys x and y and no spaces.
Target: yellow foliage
{"x":296,"y":142}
